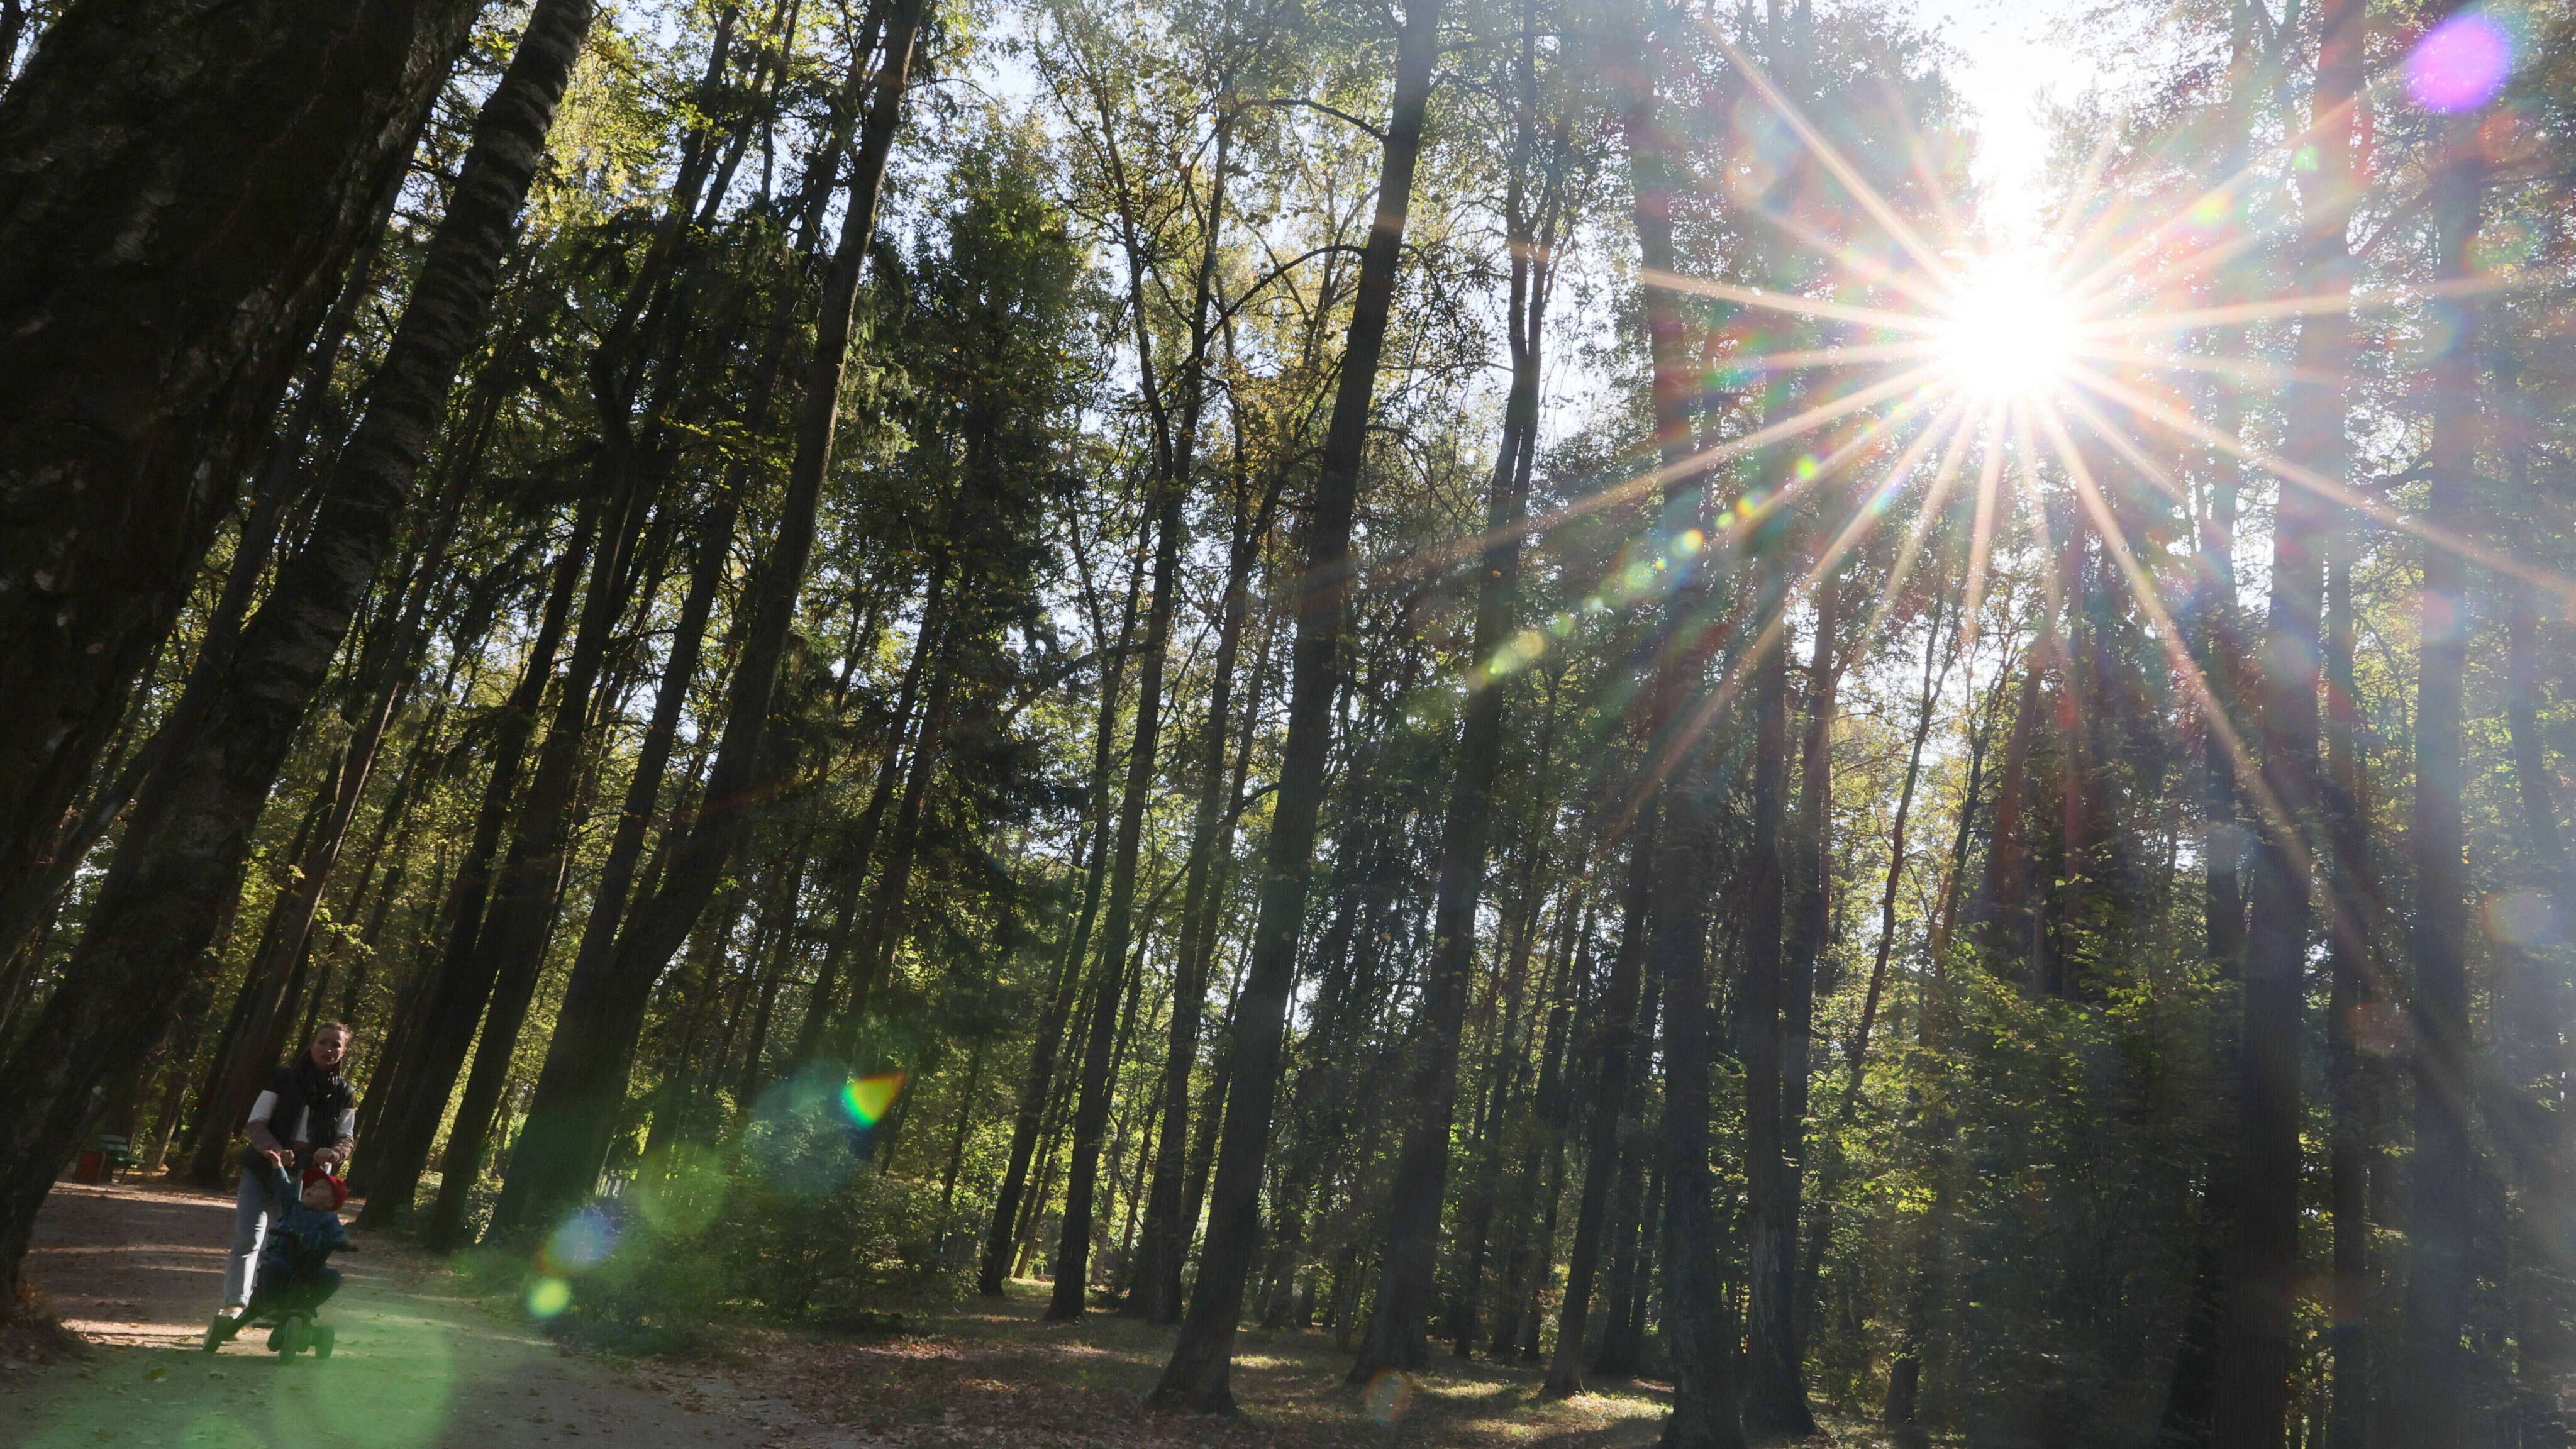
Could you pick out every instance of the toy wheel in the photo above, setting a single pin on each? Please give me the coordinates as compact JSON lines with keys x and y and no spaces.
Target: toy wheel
{"x":323,"y":1341}
{"x":287,"y":1337}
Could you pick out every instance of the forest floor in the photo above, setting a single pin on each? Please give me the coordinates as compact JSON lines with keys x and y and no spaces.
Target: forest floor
{"x":137,"y":1272}
{"x":425,"y":1359}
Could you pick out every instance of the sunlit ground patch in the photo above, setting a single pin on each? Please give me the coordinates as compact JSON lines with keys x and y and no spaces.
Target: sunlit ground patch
{"x":391,"y":1383}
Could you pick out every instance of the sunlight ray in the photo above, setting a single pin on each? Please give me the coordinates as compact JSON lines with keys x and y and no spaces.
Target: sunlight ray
{"x":2241,"y":369}
{"x":2035,"y":519}
{"x":1816,"y":357}
{"x":2117,"y":439}
{"x":1862,"y":521}
{"x":1860,"y":265}
{"x":2168,"y":273}
{"x":1853,"y":182}
{"x":1791,"y":303}
{"x":2327,"y":488}
{"x":1663,"y":475}
{"x":1981,"y":531}
{"x":2255,"y":166}
{"x":2190,"y":318}
{"x":1919,"y":160}
{"x":1960,"y":438}
{"x":2142,"y":588}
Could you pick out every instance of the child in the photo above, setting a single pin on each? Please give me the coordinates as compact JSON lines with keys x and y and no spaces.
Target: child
{"x":294,"y":1278}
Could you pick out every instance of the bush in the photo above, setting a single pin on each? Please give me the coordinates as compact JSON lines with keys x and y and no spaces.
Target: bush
{"x":785,"y":1220}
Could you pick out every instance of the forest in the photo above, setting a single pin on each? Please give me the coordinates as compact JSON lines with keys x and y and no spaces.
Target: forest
{"x":1497,"y":680}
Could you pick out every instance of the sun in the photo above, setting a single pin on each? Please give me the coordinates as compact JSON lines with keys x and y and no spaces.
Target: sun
{"x":2009,"y":328}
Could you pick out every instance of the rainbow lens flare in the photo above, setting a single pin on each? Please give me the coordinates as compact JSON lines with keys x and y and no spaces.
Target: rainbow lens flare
{"x":866,"y":1099}
{"x":2460,"y":64}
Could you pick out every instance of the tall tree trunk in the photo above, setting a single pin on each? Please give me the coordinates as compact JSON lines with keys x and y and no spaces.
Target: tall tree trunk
{"x":1775,"y":1398}
{"x":1038,"y":1088}
{"x":2251,"y":1388}
{"x":822,"y":1003}
{"x":180,"y":861}
{"x":438,"y":1029}
{"x":1530,"y":1246}
{"x":1158,"y":1283}
{"x":2536,"y":1067}
{"x":569,"y":1120}
{"x":1174,"y":445}
{"x":1197,"y":1377}
{"x":1397,"y":1329}
{"x":284,"y":477}
{"x":1091,"y":1108}
{"x":874,"y":953}
{"x":186,"y":185}
{"x":520,"y":919}
{"x":2432,"y":1394}
{"x":1614,"y":1049}
{"x":1704,"y":1413}
{"x":2354,"y":990}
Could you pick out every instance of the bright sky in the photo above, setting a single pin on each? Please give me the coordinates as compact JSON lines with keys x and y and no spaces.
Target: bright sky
{"x":2013,"y":58}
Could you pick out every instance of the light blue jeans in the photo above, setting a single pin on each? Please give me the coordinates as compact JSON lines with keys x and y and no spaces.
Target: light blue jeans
{"x":252,"y":1204}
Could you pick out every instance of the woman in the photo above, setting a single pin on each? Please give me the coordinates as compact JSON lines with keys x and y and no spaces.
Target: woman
{"x":307,"y":1101}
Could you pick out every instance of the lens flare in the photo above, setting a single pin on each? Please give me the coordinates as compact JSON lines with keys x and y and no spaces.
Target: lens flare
{"x":680,"y":1191}
{"x":2460,"y":64}
{"x":584,"y":1241}
{"x":1387,"y":1396}
{"x":866,"y":1099}
{"x":2010,"y":331}
{"x":2523,"y":918}
{"x":548,"y":1297}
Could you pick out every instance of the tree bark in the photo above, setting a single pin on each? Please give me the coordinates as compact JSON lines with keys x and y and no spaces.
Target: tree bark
{"x":182,"y":186}
{"x":1037,"y":1089}
{"x":1613,"y":1051}
{"x":2432,"y":1395}
{"x":181,"y":858}
{"x":1091,"y":1107}
{"x":2251,"y":1388}
{"x":283,"y":477}
{"x":1166,"y":1244}
{"x":1704,"y":1413}
{"x":1775,"y":1399}
{"x":2353,"y":992}
{"x":451,"y":996}
{"x":1397,"y":1330}
{"x":520,"y":917}
{"x":1197,"y":1377}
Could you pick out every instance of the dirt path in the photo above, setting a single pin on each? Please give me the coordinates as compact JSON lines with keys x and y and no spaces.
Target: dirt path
{"x":138,"y":1270}
{"x":422,"y":1364}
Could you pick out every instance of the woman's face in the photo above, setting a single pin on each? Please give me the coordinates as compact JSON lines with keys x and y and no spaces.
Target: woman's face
{"x":329,"y":1045}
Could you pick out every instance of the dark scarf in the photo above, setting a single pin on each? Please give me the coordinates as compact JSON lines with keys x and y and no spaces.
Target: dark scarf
{"x":314,"y":1098}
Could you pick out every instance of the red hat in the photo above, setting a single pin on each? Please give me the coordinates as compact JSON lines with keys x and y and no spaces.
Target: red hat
{"x":319,"y":1173}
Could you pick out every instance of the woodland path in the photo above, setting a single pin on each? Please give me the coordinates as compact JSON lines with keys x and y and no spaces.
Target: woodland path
{"x":423,"y":1363}
{"x":136,"y":1270}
